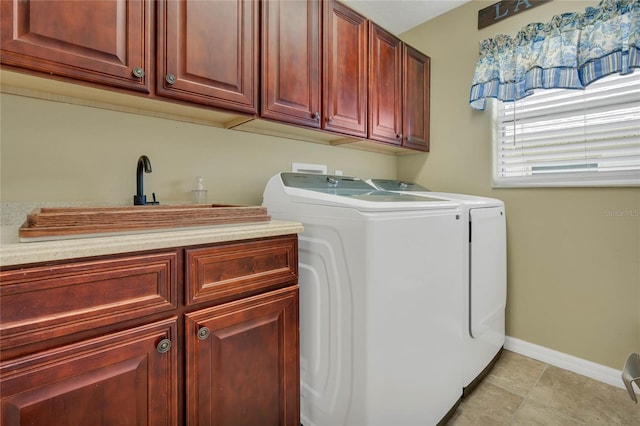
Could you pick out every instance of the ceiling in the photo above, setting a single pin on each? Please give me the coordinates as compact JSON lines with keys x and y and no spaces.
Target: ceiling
{"x":399,"y":16}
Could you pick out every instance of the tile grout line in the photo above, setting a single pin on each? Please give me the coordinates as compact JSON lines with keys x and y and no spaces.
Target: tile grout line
{"x":526,"y":395}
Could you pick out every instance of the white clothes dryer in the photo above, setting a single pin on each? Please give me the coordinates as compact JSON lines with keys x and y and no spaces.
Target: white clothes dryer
{"x":380,"y":300}
{"x":485,"y":295}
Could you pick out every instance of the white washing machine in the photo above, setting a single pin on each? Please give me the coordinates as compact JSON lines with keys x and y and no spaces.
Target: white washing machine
{"x":380,"y":300}
{"x":485,"y":295}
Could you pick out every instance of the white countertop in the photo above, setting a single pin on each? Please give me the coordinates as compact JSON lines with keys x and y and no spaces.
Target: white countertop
{"x":14,"y":252}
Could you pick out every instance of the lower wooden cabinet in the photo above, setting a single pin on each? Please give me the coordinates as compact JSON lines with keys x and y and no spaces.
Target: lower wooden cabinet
{"x":242,"y":362}
{"x":230,"y":357}
{"x":117,"y":379}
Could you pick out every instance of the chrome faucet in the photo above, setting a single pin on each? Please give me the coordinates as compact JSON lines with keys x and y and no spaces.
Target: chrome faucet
{"x":144,"y":165}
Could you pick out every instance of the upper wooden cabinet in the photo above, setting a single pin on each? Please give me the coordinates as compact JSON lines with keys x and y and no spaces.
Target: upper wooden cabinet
{"x":101,"y":41}
{"x":345,"y":60}
{"x":291,"y":62}
{"x":316,"y":64}
{"x":416,"y":97}
{"x":399,"y":84}
{"x":385,"y":86}
{"x":208,"y":52}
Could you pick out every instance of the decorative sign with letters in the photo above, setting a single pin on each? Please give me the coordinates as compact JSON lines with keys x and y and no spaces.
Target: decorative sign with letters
{"x":505,"y":9}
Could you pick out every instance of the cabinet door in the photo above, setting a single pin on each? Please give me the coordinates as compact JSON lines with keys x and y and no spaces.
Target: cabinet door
{"x":385,"y":85}
{"x":291,"y":62}
{"x":118,"y":379}
{"x":242,"y":362}
{"x":100,"y":41}
{"x":345,"y":70}
{"x":41,"y":303}
{"x":416,"y":94}
{"x":208,"y":52}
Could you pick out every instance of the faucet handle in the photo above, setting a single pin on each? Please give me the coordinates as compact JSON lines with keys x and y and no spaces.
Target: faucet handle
{"x":153,"y":194}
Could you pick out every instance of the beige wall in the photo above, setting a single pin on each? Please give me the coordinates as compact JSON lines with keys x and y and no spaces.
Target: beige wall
{"x":54,"y":151}
{"x":574,"y":277}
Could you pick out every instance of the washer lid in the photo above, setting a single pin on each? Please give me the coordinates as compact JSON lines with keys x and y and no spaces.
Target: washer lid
{"x":409,"y":187}
{"x":354,"y":192}
{"x":397,"y":185}
{"x":344,"y":186}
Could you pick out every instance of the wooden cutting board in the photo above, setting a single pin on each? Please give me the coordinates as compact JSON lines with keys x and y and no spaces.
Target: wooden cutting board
{"x":74,"y":221}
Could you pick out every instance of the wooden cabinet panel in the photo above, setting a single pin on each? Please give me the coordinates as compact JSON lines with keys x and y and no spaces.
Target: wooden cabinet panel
{"x":314,"y":63}
{"x":291,"y":62}
{"x":100,"y":41}
{"x":227,"y":271}
{"x":208,"y":52}
{"x":415,"y":103}
{"x":345,"y":61}
{"x":45,"y":302}
{"x":244,"y":370}
{"x":118,"y":379}
{"x":75,"y":352}
{"x":385,"y":85}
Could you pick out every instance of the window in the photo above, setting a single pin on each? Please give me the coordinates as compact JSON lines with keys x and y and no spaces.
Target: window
{"x":565,"y":137}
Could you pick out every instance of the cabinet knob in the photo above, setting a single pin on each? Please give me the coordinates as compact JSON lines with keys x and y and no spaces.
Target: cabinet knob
{"x":203,"y":333}
{"x":316,"y":116}
{"x":170,"y":78}
{"x":399,"y":136}
{"x":138,"y":72}
{"x":164,"y":346}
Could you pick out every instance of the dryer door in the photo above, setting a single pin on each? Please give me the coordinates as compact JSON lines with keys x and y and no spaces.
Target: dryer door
{"x":488,"y":272}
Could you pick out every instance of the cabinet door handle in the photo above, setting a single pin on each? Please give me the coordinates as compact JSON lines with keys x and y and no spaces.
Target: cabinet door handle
{"x":170,"y":78}
{"x":203,"y":333}
{"x":138,"y":72}
{"x":164,"y":346}
{"x":316,"y":116}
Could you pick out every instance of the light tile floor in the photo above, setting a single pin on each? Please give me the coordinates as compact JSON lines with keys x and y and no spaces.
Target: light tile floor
{"x":524,"y":391}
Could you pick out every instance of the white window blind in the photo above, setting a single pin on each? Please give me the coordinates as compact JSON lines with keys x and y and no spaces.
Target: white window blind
{"x":565,"y":137}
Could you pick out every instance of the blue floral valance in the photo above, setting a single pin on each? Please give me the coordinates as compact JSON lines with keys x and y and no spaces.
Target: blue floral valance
{"x":570,"y":51}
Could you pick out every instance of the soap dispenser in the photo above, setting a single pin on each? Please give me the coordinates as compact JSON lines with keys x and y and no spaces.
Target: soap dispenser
{"x":199,"y":195}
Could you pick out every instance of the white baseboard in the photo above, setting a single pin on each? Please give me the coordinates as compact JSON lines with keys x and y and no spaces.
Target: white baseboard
{"x":599,"y":372}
